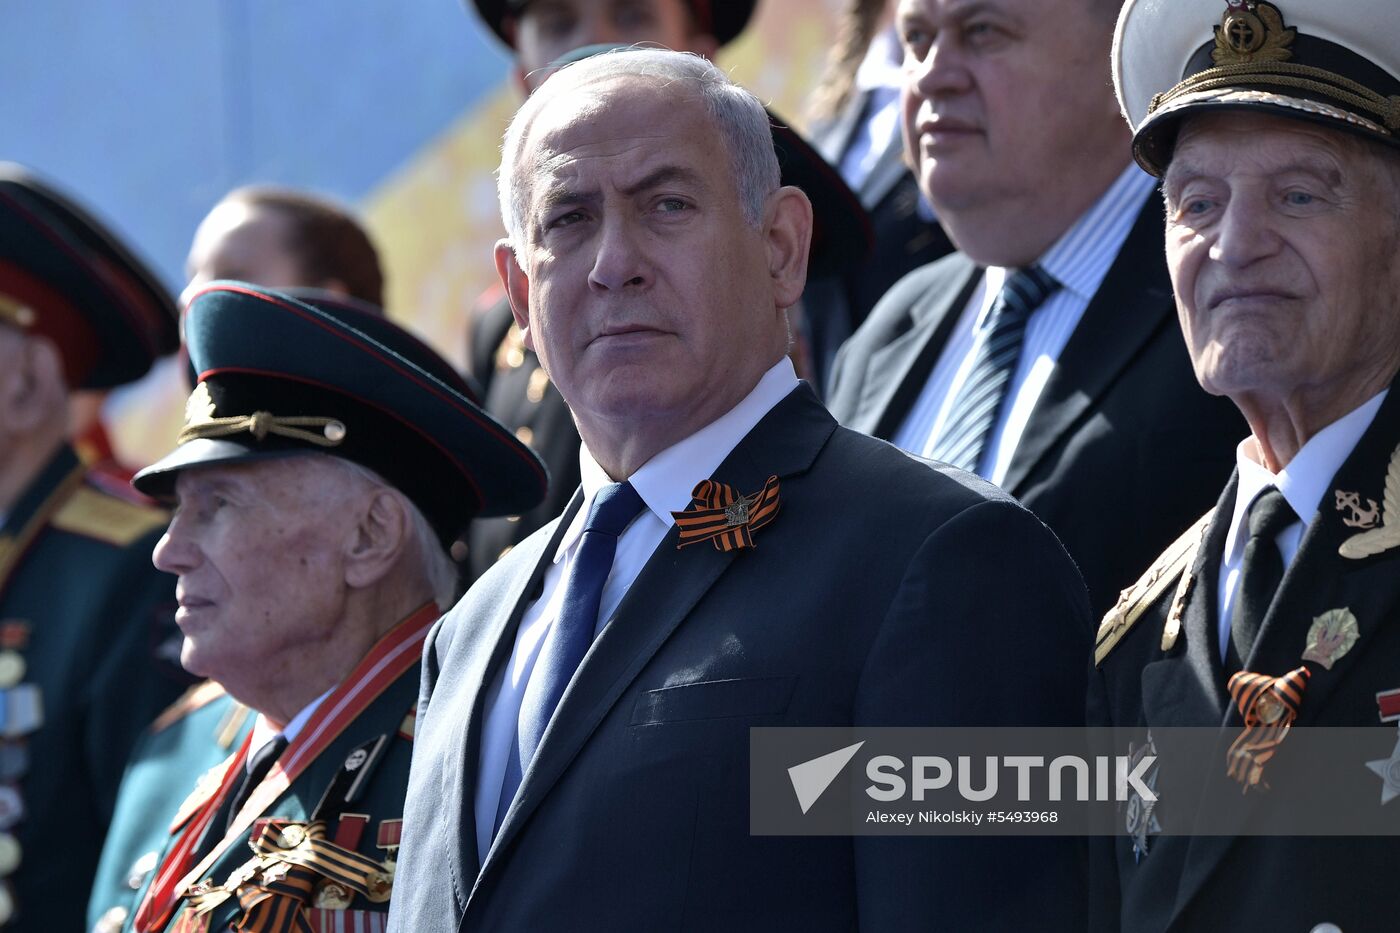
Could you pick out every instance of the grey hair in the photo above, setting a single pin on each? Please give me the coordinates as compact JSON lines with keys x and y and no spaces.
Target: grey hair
{"x":739,"y":116}
{"x":437,"y":566}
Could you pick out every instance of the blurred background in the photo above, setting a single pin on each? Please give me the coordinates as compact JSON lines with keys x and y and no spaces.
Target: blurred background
{"x":150,"y":112}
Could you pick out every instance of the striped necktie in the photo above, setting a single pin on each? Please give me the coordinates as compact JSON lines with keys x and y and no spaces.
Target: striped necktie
{"x":976,"y":406}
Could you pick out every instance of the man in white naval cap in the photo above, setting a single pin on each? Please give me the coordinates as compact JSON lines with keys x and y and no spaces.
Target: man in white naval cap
{"x":1273,"y":128}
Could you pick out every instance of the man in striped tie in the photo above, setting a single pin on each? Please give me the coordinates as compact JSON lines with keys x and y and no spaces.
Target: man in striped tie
{"x":1042,"y":355}
{"x":732,"y":559}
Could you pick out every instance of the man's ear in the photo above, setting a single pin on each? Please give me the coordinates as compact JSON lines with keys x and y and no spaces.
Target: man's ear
{"x":787,"y":233}
{"x":517,"y":286}
{"x":378,"y":539}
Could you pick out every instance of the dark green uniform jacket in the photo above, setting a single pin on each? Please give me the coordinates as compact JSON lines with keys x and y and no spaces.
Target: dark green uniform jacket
{"x":88,"y":657}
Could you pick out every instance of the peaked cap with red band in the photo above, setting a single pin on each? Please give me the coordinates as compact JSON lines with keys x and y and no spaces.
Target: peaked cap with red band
{"x":280,"y":377}
{"x":66,"y":277}
{"x":723,"y":19}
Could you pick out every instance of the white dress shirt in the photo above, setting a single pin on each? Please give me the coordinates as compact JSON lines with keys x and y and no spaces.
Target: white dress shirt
{"x":665,"y":483}
{"x":1303,"y":483}
{"x":264,"y":731}
{"x":878,"y":79}
{"x":1078,"y":260}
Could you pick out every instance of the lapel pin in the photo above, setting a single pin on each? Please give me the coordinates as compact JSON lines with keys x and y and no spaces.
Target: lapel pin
{"x":717,"y":513}
{"x":1268,"y":705}
{"x":1378,"y":538}
{"x":1331,"y":636}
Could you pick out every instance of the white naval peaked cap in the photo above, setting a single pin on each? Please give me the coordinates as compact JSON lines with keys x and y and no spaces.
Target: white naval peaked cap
{"x":1334,"y":62}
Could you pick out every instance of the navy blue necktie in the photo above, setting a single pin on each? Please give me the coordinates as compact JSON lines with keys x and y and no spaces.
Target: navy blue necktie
{"x":1261,"y":572}
{"x":570,"y":636}
{"x":975,"y":408}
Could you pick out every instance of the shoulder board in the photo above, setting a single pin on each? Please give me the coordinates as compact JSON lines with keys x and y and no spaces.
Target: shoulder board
{"x":197,"y":697}
{"x":100,"y":515}
{"x":1138,"y":598}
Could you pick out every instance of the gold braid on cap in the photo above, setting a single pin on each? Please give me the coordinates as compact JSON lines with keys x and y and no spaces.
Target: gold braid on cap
{"x":200,"y":422}
{"x":1288,"y":74}
{"x":13,"y":311}
{"x":1253,"y":47}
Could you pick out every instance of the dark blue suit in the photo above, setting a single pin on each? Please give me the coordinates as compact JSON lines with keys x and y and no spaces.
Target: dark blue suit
{"x":877,"y":596}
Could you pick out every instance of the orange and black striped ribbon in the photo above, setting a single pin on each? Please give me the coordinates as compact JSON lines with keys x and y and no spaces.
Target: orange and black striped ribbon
{"x":275,"y":889}
{"x":716,"y":513}
{"x":1269,"y":705}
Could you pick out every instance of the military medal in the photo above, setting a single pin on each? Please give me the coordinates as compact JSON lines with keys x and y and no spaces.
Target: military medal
{"x":1388,"y":702}
{"x":10,"y":854}
{"x":11,"y":807}
{"x":1140,"y":818}
{"x":1388,"y":769}
{"x":22,"y":710}
{"x":1331,"y":636}
{"x":12,"y":669}
{"x":14,"y":760}
{"x":331,"y":896}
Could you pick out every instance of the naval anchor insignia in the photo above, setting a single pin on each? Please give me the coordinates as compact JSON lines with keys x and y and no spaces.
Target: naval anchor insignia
{"x":1381,"y":538}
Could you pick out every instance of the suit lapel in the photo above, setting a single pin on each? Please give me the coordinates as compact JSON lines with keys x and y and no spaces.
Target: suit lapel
{"x":832,"y":139}
{"x":1318,"y":579}
{"x":1133,"y":302}
{"x":488,"y":646}
{"x":886,"y":173}
{"x":669,"y":587}
{"x":1187,"y":688}
{"x":898,"y":370}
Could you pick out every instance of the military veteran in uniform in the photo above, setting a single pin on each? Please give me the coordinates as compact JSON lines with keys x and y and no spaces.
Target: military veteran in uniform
{"x":206,"y":725}
{"x":732,"y":559}
{"x":319,"y":477}
{"x":84,"y":618}
{"x":1274,"y":129}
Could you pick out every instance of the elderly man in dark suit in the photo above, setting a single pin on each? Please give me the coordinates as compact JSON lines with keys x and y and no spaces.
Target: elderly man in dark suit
{"x":1043,"y":356}
{"x":733,"y":559}
{"x":1273,"y":129}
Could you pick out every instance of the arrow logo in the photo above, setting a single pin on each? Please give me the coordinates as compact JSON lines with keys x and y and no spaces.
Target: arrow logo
{"x":811,"y":778}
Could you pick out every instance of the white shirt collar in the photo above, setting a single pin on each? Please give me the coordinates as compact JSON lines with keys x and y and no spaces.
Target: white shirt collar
{"x":1304,"y":481}
{"x":883,"y":63}
{"x":264,"y":731}
{"x":666,"y":481}
{"x":1078,"y":259}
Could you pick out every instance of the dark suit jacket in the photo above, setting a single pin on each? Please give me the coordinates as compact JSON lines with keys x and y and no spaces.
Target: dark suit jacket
{"x":1123,"y":449}
{"x":1225,"y":882}
{"x":904,"y":240}
{"x":878,"y":595}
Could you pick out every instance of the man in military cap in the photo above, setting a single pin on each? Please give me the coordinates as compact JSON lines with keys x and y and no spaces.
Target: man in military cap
{"x":206,"y":725}
{"x":85,"y":623}
{"x":1274,"y":130}
{"x":543,"y":34}
{"x":325,"y":464}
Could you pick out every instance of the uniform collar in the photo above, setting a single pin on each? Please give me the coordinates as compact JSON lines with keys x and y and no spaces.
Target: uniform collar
{"x":1305,"y":480}
{"x":665,"y":482}
{"x":264,"y":731}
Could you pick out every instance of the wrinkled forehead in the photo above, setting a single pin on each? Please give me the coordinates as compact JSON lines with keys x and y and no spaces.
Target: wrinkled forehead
{"x":1216,"y":143}
{"x":612,"y":124}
